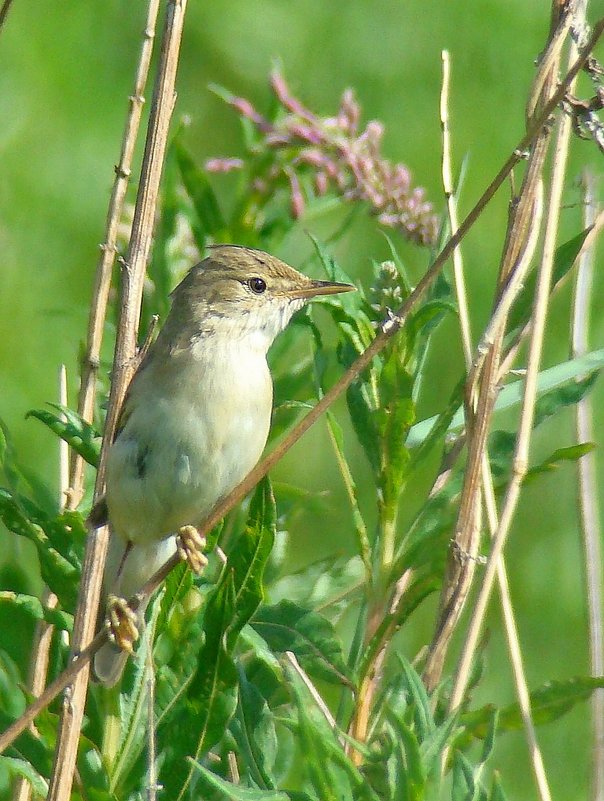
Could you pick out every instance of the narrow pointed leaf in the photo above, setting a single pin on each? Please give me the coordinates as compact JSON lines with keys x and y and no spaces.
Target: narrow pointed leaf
{"x":235,"y":792}
{"x":69,"y":426}
{"x":36,"y":610}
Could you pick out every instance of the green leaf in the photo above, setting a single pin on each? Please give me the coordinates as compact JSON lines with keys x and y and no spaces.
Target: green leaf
{"x":33,"y":607}
{"x":253,"y":728}
{"x":418,"y":697}
{"x":489,"y":740}
{"x":12,"y":697}
{"x":463,"y":785}
{"x":571,"y":454}
{"x":210,"y":219}
{"x":250,"y":556}
{"x":211,"y":696}
{"x":331,"y":772}
{"x":426,"y":542}
{"x":360,"y":527}
{"x":133,"y":709}
{"x":312,"y":638}
{"x":511,"y":395}
{"x":347,"y":301}
{"x":73,"y":429}
{"x":438,"y":430}
{"x":548,"y":703}
{"x":497,"y":793}
{"x":19,"y":767}
{"x":320,"y":584}
{"x":395,"y":417}
{"x":235,"y":792}
{"x":409,"y":758}
{"x":564,"y":259}
{"x":567,"y":394}
{"x":249,"y":639}
{"x":59,"y":574}
{"x":212,"y":692}
{"x":363,"y":418}
{"x":176,"y":588}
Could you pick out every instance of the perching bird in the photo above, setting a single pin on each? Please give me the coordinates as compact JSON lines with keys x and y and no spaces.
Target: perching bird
{"x":194,"y":421}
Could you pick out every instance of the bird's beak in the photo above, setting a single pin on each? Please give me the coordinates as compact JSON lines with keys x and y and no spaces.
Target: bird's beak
{"x":314,"y":288}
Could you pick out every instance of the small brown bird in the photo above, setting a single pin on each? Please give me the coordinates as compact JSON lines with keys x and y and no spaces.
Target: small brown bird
{"x":195,"y":419}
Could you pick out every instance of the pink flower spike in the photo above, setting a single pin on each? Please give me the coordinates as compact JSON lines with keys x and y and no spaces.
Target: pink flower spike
{"x":308,"y":133}
{"x":223,"y":165}
{"x":349,"y":113}
{"x":285,"y":97}
{"x":321,"y":183}
{"x":297,"y":199}
{"x":245,"y":108}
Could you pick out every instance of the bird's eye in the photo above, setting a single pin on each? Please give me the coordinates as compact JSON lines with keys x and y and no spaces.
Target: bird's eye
{"x":257,"y":285}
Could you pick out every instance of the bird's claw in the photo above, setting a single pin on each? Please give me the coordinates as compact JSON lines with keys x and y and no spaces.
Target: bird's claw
{"x":190,"y":544}
{"x":121,"y":623}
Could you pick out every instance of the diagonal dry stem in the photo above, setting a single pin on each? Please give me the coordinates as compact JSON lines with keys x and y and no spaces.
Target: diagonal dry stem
{"x":132,"y":283}
{"x":389,"y":328}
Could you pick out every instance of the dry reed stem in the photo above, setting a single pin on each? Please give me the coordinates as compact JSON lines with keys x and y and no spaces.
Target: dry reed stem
{"x":132,"y":283}
{"x":480,"y":402}
{"x":520,"y":461}
{"x":487,"y":478}
{"x":388,"y":329}
{"x":588,"y":493}
{"x":102,"y":280}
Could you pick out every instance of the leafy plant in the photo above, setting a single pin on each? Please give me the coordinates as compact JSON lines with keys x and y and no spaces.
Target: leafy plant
{"x":274,"y":681}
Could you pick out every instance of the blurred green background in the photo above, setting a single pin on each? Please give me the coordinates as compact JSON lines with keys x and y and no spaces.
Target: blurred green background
{"x":66,"y":70}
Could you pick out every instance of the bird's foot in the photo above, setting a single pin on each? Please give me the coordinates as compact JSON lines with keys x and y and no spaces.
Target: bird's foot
{"x":121,"y":623}
{"x":190,"y":544}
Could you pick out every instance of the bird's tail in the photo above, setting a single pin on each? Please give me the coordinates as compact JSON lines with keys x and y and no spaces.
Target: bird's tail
{"x":129,"y":566}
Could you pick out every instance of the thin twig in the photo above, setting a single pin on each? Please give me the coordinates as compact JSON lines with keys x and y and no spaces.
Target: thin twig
{"x":102,"y":280}
{"x":322,"y":706}
{"x":449,"y":190}
{"x":588,"y":495}
{"x":125,"y":349}
{"x":388,"y":329}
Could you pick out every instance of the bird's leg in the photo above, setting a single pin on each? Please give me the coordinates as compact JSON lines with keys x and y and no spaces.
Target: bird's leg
{"x":190,"y":544}
{"x":121,"y":623}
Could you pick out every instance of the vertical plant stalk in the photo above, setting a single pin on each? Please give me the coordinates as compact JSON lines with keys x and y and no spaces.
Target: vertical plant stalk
{"x":38,"y":666}
{"x":588,"y":495}
{"x":102,"y":280}
{"x":480,"y":397}
{"x":520,"y":461}
{"x":132,"y":284}
{"x":488,"y":489}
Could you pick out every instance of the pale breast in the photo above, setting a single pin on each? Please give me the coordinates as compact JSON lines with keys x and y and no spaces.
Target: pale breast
{"x":192,"y":435}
